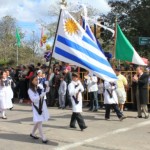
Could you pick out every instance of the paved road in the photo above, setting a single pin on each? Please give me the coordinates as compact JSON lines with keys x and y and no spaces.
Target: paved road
{"x":130,"y":134}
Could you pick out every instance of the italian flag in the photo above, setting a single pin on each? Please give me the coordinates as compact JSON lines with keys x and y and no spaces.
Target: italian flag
{"x":124,"y":50}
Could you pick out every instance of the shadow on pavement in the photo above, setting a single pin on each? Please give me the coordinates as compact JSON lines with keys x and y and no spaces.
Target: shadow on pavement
{"x":24,"y":138}
{"x":29,"y":119}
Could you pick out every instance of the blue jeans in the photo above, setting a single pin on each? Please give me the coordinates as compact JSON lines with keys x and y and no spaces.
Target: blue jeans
{"x":93,"y":100}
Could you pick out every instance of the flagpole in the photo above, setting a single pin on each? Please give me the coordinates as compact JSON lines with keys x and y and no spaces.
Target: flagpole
{"x":17,"y":55}
{"x":114,"y":51}
{"x":63,"y":3}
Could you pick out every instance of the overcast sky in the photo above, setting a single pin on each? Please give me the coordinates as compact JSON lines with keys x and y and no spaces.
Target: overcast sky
{"x":27,"y":12}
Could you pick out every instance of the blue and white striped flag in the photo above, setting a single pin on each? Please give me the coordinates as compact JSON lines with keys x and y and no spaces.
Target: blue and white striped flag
{"x":88,"y":30}
{"x":74,"y":46}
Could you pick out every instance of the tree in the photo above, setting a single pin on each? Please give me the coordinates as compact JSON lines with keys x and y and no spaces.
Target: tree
{"x":7,"y":38}
{"x":8,"y":47}
{"x":133,"y":17}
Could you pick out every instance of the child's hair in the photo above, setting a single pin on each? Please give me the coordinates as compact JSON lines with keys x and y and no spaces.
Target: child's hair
{"x":1,"y":77}
{"x":31,"y":85}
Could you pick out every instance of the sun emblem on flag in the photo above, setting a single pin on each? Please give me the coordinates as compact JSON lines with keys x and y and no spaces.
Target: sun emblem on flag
{"x":71,"y":27}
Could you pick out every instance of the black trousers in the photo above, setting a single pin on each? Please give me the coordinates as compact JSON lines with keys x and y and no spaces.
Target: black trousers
{"x":116,"y":109}
{"x":77,"y":117}
{"x":68,"y":99}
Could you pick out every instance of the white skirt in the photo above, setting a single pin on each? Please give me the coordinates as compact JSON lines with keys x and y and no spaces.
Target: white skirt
{"x":43,"y":117}
{"x":6,"y":95}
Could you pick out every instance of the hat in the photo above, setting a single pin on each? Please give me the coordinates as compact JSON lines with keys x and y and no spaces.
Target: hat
{"x":39,"y":71}
{"x":74,"y":75}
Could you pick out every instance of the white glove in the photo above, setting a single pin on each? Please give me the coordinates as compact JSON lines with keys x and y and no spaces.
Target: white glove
{"x":43,"y":94}
{"x":46,"y":83}
{"x":40,"y":86}
{"x":47,"y":89}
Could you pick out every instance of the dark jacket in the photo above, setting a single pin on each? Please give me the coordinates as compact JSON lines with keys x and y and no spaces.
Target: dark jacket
{"x":143,"y":88}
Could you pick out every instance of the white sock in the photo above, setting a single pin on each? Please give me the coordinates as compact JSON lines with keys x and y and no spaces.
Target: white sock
{"x":41,"y":131}
{"x":3,"y":113}
{"x":34,"y":128}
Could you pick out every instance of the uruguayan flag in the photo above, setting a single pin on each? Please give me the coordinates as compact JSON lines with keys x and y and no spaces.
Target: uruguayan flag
{"x":88,"y":30}
{"x":74,"y":46}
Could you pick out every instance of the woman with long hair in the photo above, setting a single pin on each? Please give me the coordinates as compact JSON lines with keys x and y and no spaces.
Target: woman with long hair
{"x":6,"y":94}
{"x":40,"y":111}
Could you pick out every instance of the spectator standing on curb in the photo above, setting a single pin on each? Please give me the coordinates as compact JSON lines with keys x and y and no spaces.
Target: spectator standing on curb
{"x":121,"y":89}
{"x":142,"y":92}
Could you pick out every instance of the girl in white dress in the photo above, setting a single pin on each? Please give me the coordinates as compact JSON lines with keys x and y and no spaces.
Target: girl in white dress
{"x":40,"y":112}
{"x":6,"y":94}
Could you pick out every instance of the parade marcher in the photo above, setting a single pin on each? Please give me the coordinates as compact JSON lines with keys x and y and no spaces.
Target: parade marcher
{"x":62,"y":92}
{"x":111,"y":100}
{"x":75,"y":90}
{"x":6,"y":94}
{"x":93,"y":89}
{"x":12,"y":84}
{"x":142,"y":92}
{"x":40,"y":111}
{"x":121,"y":89}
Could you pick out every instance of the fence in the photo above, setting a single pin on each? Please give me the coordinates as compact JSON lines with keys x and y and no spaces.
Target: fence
{"x":130,"y":91}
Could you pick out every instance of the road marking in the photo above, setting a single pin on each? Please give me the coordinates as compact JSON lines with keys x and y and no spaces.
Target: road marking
{"x":69,"y":146}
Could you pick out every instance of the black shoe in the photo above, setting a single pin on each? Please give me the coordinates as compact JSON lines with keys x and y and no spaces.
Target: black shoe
{"x":83,"y":128}
{"x":11,"y":108}
{"x":147,"y":116}
{"x":123,"y":117}
{"x":45,"y":141}
{"x":34,"y":137}
{"x":95,"y":110}
{"x":73,"y":127}
{"x":4,"y":117}
{"x":139,"y":117}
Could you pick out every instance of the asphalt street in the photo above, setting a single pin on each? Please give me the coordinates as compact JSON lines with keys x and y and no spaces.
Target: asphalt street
{"x":129,"y":134}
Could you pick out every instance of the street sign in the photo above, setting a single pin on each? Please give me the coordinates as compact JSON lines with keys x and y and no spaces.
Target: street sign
{"x":144,"y":40}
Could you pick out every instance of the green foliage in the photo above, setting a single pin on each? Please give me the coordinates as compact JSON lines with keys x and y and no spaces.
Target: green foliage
{"x":8,"y":47}
{"x":133,"y":18}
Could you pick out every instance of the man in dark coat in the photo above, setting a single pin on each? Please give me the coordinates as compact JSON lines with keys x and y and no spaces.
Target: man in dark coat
{"x":142,"y":95}
{"x":67,"y":79}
